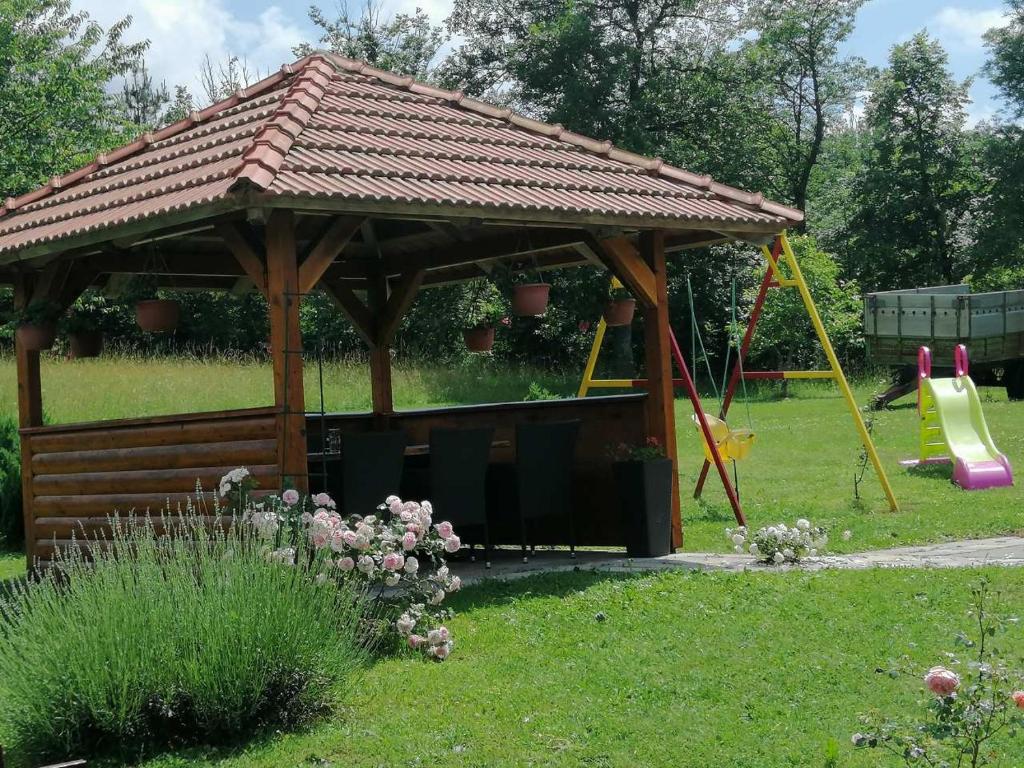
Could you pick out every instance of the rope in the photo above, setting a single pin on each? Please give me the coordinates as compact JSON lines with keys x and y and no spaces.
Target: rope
{"x":700,"y":340}
{"x":734,"y":337}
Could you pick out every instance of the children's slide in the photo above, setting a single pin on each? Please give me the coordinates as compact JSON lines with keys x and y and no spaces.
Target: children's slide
{"x":953,"y":427}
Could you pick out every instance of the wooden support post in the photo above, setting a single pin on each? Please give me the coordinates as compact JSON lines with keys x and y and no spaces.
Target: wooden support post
{"x":284,"y":299}
{"x":30,"y":414}
{"x":380,"y":354}
{"x":658,"y":353}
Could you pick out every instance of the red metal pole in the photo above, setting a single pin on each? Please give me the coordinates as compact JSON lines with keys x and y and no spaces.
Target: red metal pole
{"x":698,"y":409}
{"x":734,"y":378}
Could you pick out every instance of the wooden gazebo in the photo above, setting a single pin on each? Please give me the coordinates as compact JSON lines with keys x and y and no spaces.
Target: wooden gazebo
{"x":337,"y":176}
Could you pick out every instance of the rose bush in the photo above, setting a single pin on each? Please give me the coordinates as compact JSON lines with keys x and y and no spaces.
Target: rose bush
{"x":780,"y":543}
{"x":399,"y":552}
{"x":967,"y":710}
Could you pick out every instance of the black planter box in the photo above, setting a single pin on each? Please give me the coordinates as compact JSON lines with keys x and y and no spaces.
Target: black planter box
{"x":645,"y":498}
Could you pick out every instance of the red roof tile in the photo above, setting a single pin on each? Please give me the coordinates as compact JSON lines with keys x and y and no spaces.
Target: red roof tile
{"x":332,"y":128}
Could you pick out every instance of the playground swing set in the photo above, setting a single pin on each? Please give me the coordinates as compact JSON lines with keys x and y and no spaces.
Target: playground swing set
{"x":721,"y":442}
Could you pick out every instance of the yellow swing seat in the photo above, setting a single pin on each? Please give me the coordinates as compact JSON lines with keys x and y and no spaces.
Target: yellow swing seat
{"x":732,"y":444}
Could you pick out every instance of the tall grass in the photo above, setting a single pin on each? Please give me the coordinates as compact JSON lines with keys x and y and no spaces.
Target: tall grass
{"x":114,"y":387}
{"x":192,"y":636}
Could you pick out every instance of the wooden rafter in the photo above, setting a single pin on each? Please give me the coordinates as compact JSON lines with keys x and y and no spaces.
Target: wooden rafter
{"x":326,"y":250}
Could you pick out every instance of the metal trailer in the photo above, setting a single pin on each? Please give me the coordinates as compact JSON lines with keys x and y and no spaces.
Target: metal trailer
{"x":897,"y":323}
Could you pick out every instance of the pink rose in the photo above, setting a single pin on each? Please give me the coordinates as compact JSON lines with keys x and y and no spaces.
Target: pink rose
{"x":290,"y":497}
{"x":444,"y":530}
{"x":415,"y":641}
{"x":349,"y":537}
{"x":346,"y":563}
{"x":1018,"y":699}
{"x":393,"y":561}
{"x":455,"y":585}
{"x":409,"y":541}
{"x":440,"y":652}
{"x":337,"y":540}
{"x":941,"y":681}
{"x":320,"y":539}
{"x":323,"y":500}
{"x":452,"y":544}
{"x":395,"y":507}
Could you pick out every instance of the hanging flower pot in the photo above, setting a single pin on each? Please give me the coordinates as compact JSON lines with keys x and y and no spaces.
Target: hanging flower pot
{"x":85,"y":344}
{"x":479,"y":339}
{"x":530,"y":299}
{"x":157,"y":315}
{"x":36,"y":337}
{"x":619,"y":312}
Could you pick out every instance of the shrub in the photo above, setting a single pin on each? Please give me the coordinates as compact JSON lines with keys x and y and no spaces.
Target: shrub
{"x":192,"y":635}
{"x":777,"y":544}
{"x":973,"y":708}
{"x":12,"y":523}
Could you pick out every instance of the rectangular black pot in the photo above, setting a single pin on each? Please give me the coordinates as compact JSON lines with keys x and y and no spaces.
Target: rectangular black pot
{"x":645,"y":497}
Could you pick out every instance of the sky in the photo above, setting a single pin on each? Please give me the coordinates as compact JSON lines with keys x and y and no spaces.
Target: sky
{"x":263,"y":32}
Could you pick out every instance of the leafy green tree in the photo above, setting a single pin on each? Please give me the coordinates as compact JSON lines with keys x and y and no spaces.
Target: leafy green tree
{"x":785,"y":338}
{"x":405,"y":43}
{"x":808,"y":88}
{"x":1000,"y":225}
{"x":55,"y":109}
{"x":914,"y":193}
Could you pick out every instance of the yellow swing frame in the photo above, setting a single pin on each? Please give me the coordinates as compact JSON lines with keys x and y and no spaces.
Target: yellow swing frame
{"x":775,"y":277}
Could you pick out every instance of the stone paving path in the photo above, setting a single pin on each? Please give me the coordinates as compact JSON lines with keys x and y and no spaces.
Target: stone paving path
{"x":1004,"y":550}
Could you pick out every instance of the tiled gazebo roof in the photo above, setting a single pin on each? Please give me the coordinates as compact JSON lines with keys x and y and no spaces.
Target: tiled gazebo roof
{"x":331,"y":129}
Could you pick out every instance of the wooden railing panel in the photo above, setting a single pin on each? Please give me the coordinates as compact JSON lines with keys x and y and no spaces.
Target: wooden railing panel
{"x":80,"y":474}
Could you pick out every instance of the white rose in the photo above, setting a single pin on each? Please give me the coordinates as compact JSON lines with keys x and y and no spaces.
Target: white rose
{"x":754,"y":549}
{"x":788,"y":554}
{"x":778,"y":558}
{"x":411,"y":564}
{"x":803,"y":525}
{"x":738,"y":539}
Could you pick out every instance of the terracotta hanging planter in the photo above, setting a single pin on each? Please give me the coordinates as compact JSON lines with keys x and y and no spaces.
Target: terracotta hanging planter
{"x":157,"y":315}
{"x":85,"y":344}
{"x":479,"y":339}
{"x":530,"y":299}
{"x":36,"y":338}
{"x":619,"y":312}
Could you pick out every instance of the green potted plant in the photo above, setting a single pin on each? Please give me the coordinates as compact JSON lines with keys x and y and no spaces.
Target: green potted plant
{"x":85,"y":324}
{"x":152,"y":313}
{"x":643,"y":482}
{"x":37,"y":325}
{"x":484,"y":309}
{"x":620,"y":307}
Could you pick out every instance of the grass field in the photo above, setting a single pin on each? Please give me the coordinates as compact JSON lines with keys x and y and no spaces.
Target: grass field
{"x":688,"y":670}
{"x":803,"y":464}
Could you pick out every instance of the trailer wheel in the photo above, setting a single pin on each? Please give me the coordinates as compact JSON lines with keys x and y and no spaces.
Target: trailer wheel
{"x":1013,"y":377}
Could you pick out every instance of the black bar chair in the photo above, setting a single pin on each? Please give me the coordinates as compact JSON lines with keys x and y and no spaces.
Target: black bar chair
{"x":545,"y":457}
{"x":371,"y":469}
{"x":458,"y":482}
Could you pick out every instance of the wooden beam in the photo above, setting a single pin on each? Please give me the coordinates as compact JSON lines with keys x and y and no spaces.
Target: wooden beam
{"x":326,"y":250}
{"x":625,"y":262}
{"x":353,"y":308}
{"x":658,"y":355}
{"x":381,"y":389}
{"x":696,"y":239}
{"x":30,"y":413}
{"x":255,"y":264}
{"x":284,"y":299}
{"x":398,"y":304}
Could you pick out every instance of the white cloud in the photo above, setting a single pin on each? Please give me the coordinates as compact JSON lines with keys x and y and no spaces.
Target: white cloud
{"x":182,"y":32}
{"x":966,"y":27}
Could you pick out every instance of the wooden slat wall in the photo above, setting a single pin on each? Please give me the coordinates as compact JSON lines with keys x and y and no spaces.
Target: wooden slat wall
{"x":79,"y":474}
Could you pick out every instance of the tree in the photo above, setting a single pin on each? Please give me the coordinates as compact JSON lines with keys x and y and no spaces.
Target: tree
{"x":914,"y":194}
{"x":1006,"y":65}
{"x":222,"y":80}
{"x":405,"y":43}
{"x":606,"y":68}
{"x":140,"y":102}
{"x":181,"y":106}
{"x":55,"y":109}
{"x":809,"y":88}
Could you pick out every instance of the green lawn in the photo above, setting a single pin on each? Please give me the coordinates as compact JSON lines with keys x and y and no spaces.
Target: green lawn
{"x":754,"y":670}
{"x":803,"y":462}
